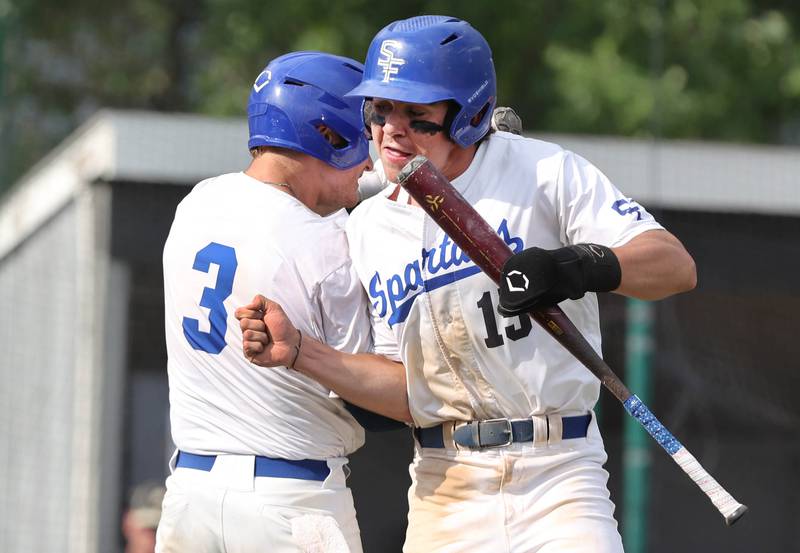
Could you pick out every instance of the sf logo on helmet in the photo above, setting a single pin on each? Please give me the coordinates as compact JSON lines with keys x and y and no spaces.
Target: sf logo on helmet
{"x":391,"y":64}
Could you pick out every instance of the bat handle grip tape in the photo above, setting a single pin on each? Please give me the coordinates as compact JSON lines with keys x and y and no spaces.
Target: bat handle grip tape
{"x":730,"y":509}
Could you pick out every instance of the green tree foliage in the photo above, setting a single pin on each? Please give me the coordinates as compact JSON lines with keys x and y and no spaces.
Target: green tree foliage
{"x":711,"y":69}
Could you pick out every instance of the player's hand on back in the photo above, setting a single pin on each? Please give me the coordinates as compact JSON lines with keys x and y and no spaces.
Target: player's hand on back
{"x":269,"y":338}
{"x":506,"y":119}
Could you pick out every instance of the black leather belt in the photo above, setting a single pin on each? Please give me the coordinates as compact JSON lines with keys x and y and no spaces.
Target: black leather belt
{"x":499,"y":432}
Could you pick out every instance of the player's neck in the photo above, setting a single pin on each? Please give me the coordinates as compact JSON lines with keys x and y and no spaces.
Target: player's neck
{"x":458,"y":161}
{"x":275,"y":171}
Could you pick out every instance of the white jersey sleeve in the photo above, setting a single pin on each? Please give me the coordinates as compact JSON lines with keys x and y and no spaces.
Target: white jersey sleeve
{"x":591,"y":209}
{"x":343,"y":320}
{"x":384,"y":339}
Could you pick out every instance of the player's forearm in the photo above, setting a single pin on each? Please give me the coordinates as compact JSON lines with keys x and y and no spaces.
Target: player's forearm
{"x":655,"y":265}
{"x":364,"y":379}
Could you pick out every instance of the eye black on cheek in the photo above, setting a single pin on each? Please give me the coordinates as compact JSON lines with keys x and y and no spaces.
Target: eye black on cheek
{"x":376,"y":119}
{"x":426,"y":127}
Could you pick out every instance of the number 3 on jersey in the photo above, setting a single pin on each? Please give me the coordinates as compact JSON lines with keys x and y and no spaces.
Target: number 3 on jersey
{"x":214,"y":340}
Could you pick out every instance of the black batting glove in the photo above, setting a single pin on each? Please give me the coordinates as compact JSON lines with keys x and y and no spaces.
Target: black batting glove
{"x":535,"y":278}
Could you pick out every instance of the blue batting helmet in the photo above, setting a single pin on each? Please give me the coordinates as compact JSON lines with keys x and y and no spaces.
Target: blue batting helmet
{"x":295,"y":94}
{"x":431,"y":58}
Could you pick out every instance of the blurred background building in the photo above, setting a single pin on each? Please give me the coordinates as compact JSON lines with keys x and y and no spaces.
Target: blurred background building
{"x":692,"y":108}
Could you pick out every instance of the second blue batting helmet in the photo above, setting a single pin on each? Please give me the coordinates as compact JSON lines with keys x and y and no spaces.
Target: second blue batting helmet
{"x":431,"y":58}
{"x":298,"y":92}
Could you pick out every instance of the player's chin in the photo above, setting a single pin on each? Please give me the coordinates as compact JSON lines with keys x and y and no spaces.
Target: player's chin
{"x":391,"y":171}
{"x":393,"y":164}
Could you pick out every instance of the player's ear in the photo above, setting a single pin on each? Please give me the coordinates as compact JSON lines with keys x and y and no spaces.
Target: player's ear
{"x":331,"y":136}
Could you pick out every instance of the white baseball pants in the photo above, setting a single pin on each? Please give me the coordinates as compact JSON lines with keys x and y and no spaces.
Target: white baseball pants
{"x":228,"y":510}
{"x":522,"y":498}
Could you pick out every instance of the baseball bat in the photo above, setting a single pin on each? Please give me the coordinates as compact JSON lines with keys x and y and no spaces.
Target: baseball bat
{"x":425,"y":183}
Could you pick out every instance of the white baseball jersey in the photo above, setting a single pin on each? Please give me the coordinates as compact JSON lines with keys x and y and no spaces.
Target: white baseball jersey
{"x":433,"y":309}
{"x":234,"y":237}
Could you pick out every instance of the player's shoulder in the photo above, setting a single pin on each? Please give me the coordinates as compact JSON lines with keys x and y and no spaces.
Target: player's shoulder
{"x":226,"y":179}
{"x":196,"y":199}
{"x":211,"y":186}
{"x":306,"y":233}
{"x":510,"y":156}
{"x":370,"y":208}
{"x":528,"y":146}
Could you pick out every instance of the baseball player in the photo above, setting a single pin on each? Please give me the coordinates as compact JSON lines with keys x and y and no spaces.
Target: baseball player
{"x":509,"y":457}
{"x":260,"y":454}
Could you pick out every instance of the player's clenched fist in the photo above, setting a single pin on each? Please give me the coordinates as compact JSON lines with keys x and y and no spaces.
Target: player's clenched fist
{"x":269,"y":338}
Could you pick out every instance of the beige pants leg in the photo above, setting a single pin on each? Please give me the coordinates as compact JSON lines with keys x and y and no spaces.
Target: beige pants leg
{"x":519,"y":499}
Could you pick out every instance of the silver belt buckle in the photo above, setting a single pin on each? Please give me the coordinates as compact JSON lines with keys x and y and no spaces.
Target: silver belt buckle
{"x":508,"y":430}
